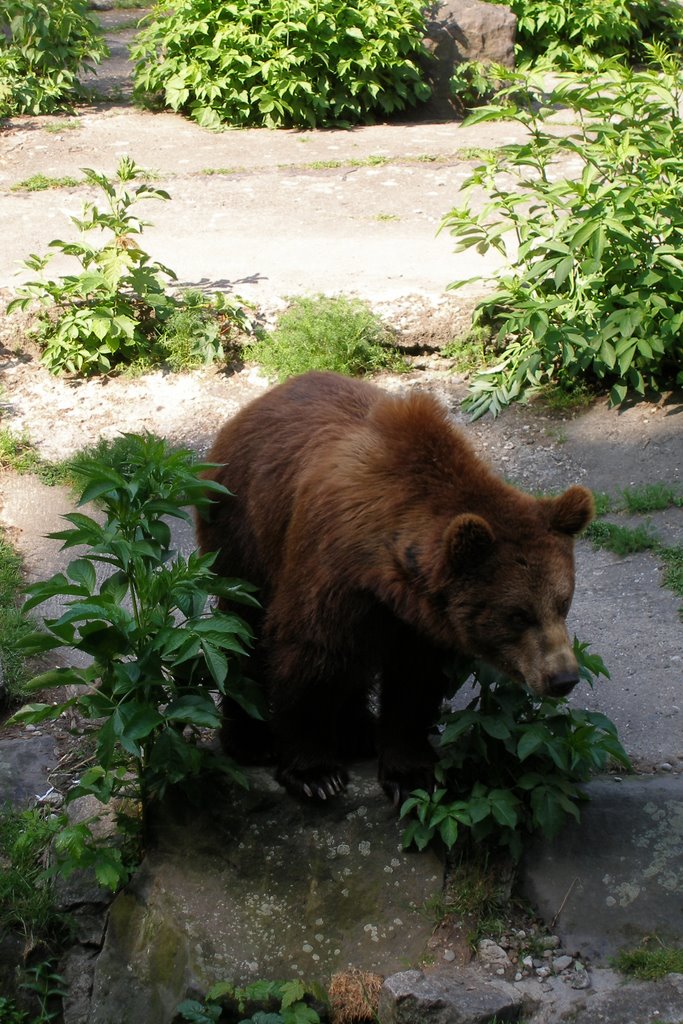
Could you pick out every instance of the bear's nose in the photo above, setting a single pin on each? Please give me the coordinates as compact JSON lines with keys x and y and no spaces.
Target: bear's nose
{"x":561,"y":684}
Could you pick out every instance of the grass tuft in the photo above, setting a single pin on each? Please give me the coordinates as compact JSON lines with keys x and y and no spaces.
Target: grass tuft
{"x":651,"y":497}
{"x":650,"y":963}
{"x":19,"y":455}
{"x":41,"y":182}
{"x":622,"y":540}
{"x":323,"y":333}
{"x":26,"y":899}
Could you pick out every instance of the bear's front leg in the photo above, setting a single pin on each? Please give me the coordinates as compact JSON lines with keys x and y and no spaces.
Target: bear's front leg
{"x":307,"y":702}
{"x":411,"y":693}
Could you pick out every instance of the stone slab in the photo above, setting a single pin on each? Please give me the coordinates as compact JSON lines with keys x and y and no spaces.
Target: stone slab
{"x":24,"y":765}
{"x":265,"y":887}
{"x":607,"y":882}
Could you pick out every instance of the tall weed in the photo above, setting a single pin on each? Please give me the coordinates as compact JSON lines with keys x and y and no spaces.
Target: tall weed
{"x":158,"y":652}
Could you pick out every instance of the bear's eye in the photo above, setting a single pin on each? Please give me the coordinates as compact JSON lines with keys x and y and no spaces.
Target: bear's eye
{"x":563,"y":607}
{"x":520,"y":618}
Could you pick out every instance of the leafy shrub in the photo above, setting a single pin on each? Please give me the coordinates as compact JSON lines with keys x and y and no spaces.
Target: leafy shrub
{"x":472,"y":84}
{"x":566,"y":29}
{"x":595,"y":284}
{"x":44,"y":47}
{"x":325,"y":333}
{"x":511,"y":763}
{"x":10,"y":1012}
{"x":290,"y":63}
{"x":282,"y":1002}
{"x":117,"y":308}
{"x":197,"y":332}
{"x":159,"y":654}
{"x":110,"y":311}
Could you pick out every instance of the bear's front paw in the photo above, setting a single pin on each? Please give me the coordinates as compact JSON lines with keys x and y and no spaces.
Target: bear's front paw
{"x":313,"y":783}
{"x":399,"y":782}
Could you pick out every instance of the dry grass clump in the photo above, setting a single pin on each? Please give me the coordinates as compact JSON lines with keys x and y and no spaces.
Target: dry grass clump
{"x":354,"y":996}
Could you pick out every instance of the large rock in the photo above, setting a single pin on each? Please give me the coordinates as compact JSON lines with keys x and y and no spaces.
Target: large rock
{"x":460,"y":31}
{"x":264,"y":887}
{"x":447,"y":997}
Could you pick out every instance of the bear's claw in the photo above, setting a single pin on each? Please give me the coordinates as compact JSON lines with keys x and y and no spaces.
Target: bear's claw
{"x":313,"y":785}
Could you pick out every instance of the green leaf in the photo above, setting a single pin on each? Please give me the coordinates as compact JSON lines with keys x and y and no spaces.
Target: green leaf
{"x":216,"y":662}
{"x":36,"y":713}
{"x":495,"y":727}
{"x":548,"y":812}
{"x":134,"y":721}
{"x":109,"y":871}
{"x":57,"y":586}
{"x":54,"y":677}
{"x":504,"y":806}
{"x":196,"y":709}
{"x":531,"y":739}
{"x":292,"y":992}
{"x":449,"y":832}
{"x":82,"y":571}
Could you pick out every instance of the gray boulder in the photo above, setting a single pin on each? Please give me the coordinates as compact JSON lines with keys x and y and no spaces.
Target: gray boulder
{"x":447,"y":997}
{"x":460,"y":31}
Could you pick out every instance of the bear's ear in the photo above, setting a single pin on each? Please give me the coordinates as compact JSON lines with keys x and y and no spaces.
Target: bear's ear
{"x":572,"y":511}
{"x":467,"y":541}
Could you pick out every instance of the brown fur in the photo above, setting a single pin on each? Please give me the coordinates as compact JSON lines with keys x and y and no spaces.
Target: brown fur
{"x":380,"y":541}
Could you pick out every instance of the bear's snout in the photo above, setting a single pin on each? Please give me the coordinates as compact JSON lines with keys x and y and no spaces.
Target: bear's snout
{"x":561,"y":684}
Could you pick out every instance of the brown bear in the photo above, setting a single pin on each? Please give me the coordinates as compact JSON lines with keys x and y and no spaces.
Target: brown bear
{"x":381,"y":545}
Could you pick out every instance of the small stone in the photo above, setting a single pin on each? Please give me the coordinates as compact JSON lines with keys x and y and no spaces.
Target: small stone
{"x":518,"y":976}
{"x":449,"y":955}
{"x":665,"y":767}
{"x":542,"y":972}
{"x":561,"y":963}
{"x":528,"y":961}
{"x":579,"y":979}
{"x":493,"y":954}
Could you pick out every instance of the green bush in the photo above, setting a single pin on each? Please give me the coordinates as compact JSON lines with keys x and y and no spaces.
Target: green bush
{"x":44,"y":47}
{"x":325,"y":333}
{"x":158,"y":653}
{"x":511,"y":764}
{"x":199,"y":330}
{"x":564,"y":30}
{"x":594,"y":279}
{"x":290,"y":63}
{"x":117,"y":309}
{"x":266,"y":1002}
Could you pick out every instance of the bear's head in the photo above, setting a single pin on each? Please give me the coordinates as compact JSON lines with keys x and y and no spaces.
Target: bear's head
{"x":504,"y":583}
